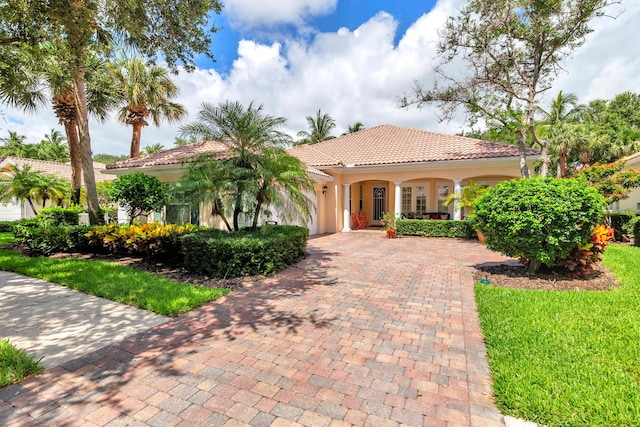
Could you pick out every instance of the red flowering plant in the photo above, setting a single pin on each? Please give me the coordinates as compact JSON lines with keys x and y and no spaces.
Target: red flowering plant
{"x":582,"y":259}
{"x":611,"y":180}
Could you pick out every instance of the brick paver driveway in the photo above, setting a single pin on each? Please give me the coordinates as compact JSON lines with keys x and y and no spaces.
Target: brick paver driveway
{"x":364,"y":331}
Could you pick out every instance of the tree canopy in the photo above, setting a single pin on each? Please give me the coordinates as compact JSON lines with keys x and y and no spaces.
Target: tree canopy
{"x":512,"y":52}
{"x":175,"y":31}
{"x":255,"y":173}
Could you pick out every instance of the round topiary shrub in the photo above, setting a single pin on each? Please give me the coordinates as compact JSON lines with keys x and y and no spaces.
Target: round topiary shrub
{"x":539,"y":219}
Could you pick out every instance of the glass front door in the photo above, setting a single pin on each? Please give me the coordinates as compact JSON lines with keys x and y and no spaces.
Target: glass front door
{"x":379,"y":203}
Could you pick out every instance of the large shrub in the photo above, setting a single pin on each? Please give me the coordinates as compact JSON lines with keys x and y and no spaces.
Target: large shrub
{"x":243,"y":253}
{"x":44,"y":240}
{"x":435,"y":228}
{"x":55,"y":216}
{"x":138,"y":193}
{"x":539,"y":219}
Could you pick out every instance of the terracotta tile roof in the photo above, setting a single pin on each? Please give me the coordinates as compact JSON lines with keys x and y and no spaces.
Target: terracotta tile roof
{"x":172,"y":156}
{"x":62,"y":170}
{"x":184,"y":154}
{"x":388,"y":144}
{"x":379,"y":145}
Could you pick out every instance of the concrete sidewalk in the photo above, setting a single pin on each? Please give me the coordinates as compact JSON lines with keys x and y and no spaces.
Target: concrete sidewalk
{"x":59,"y":324}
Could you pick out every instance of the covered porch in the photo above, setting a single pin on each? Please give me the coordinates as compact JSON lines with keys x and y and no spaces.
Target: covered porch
{"x":364,"y":202}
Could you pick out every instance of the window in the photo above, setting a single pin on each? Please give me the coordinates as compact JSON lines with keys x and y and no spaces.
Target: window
{"x":442,"y":191}
{"x":421,"y":200}
{"x":182,"y":214}
{"x":406,"y":200}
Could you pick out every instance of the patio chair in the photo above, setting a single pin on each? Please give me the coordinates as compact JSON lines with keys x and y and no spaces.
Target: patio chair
{"x":363,"y":220}
{"x":356,"y":223}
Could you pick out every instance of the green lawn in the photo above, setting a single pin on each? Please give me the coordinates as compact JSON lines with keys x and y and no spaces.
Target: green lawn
{"x":114,"y":282}
{"x":567,"y":358}
{"x":15,"y":364}
{"x":6,"y":238}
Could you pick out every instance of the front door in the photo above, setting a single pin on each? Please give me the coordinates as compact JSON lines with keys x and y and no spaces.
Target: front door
{"x":379,"y":204}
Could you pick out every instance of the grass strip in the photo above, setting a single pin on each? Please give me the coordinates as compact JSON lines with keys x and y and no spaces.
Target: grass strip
{"x":16,"y":364}
{"x":114,"y":282}
{"x":568,"y":358}
{"x":7,"y":238}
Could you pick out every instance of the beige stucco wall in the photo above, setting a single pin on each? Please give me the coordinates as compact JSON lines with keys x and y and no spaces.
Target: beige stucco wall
{"x":329,"y":216}
{"x":485,"y":171}
{"x":633,"y":202}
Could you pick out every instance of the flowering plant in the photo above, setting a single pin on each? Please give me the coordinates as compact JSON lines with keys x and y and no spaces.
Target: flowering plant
{"x":388,"y":220}
{"x":582,"y":259}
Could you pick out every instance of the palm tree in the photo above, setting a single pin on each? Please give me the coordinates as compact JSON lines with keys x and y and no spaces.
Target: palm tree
{"x":50,"y":187}
{"x":153,"y":148}
{"x":559,"y":128}
{"x":283,"y":184}
{"x":146,"y":90}
{"x":319,"y":129}
{"x":354,"y":128}
{"x":246,"y":133}
{"x":13,"y":145}
{"x":20,"y":184}
{"x":53,"y":147}
{"x":25,"y":87}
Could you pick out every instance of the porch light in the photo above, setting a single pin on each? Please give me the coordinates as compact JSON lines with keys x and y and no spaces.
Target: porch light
{"x":324,"y":190}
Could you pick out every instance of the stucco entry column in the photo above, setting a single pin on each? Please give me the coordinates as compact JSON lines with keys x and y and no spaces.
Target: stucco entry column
{"x":346,"y":215}
{"x":456,"y":208}
{"x":397,"y":205}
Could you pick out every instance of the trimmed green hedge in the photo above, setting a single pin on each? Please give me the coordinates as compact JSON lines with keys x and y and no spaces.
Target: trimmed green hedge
{"x":435,"y":228}
{"x":622,"y":223}
{"x":55,"y":216}
{"x":7,"y":226}
{"x":636,"y":231}
{"x":245,"y":253}
{"x":44,"y":241}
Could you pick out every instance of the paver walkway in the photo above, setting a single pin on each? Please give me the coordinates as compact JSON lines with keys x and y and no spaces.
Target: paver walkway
{"x":364,"y":331}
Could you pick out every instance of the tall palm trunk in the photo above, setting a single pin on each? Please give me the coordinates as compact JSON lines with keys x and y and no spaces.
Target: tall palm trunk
{"x":136,"y":118}
{"x":64,"y":106}
{"x":80,"y":94}
{"x":135,"y":140}
{"x":562,"y":162}
{"x":75,"y":159}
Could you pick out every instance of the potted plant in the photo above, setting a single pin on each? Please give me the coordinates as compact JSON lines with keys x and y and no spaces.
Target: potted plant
{"x":389,"y":224}
{"x":466,"y":198}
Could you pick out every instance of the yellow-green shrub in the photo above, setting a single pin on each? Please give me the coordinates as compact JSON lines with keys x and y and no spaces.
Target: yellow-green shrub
{"x":148,"y":240}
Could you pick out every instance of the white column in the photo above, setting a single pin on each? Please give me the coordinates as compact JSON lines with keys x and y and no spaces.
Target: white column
{"x":397,"y":206}
{"x":456,"y":209}
{"x":346,"y":215}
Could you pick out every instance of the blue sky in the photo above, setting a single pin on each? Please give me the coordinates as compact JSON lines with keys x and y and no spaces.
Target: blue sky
{"x":350,"y":58}
{"x":347,"y":13}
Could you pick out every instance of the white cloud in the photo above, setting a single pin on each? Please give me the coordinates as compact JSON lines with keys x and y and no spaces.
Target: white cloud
{"x":608,"y":62}
{"x":356,"y":76}
{"x":252,"y":13}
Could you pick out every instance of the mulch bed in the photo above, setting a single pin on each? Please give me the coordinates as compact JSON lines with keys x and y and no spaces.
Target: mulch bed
{"x":514,"y":275}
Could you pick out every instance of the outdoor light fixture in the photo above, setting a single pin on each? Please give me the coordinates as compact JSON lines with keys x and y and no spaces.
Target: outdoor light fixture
{"x":324,"y":190}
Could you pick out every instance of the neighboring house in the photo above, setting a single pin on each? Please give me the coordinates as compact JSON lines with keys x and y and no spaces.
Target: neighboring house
{"x":633,"y":202}
{"x":15,"y":209}
{"x":379,"y":169}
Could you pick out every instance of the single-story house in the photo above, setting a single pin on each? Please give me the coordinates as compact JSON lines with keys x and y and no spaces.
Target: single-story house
{"x":385,"y":168}
{"x":15,"y":209}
